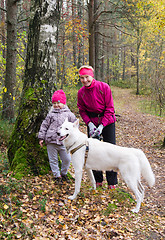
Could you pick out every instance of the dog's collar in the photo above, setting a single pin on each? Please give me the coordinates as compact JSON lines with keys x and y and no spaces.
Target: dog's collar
{"x":81,"y":145}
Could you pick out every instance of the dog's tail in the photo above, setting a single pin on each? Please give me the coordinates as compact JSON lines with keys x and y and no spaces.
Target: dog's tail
{"x":146,"y":169}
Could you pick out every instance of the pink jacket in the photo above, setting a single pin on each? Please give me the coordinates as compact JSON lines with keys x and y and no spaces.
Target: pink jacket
{"x":97,"y":99}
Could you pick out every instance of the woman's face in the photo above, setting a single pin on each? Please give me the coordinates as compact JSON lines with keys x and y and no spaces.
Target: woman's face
{"x":86,"y":80}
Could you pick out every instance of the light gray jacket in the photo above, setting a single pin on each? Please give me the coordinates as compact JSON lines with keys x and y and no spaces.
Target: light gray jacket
{"x":51,"y":124}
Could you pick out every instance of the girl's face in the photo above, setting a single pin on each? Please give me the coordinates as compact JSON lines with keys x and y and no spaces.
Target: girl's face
{"x":58,"y":105}
{"x":86,"y":80}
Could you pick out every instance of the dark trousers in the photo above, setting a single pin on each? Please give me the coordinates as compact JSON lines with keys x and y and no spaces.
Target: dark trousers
{"x":108,"y":134}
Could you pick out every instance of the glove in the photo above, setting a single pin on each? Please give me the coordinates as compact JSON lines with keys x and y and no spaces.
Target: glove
{"x":92,"y":128}
{"x":98,"y":131}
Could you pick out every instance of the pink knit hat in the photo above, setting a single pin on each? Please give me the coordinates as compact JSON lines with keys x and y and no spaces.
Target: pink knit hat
{"x":59,"y":96}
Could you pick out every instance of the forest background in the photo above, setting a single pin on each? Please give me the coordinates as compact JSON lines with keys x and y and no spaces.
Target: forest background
{"x":122,"y":40}
{"x":42,"y":45}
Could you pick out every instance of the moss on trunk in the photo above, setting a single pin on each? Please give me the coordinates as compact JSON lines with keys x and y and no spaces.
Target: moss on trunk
{"x":24,"y":152}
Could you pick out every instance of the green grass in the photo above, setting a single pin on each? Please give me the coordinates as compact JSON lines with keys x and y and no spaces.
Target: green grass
{"x":122,"y":84}
{"x":150,"y":107}
{"x":4,"y":166}
{"x":120,"y":197}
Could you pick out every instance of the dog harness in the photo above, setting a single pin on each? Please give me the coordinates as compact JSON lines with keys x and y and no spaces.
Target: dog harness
{"x":80,"y":146}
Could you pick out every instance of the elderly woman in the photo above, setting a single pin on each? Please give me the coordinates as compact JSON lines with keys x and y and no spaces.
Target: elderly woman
{"x":96,"y":108}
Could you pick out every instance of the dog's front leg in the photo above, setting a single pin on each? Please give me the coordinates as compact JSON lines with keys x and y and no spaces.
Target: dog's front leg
{"x":78,"y":177}
{"x":91,"y":177}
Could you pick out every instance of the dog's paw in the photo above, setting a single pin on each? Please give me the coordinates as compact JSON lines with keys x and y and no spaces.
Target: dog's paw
{"x":135,"y":210}
{"x":71,"y":197}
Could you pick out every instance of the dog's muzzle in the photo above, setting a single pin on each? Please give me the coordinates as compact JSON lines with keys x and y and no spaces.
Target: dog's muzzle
{"x":63,"y":137}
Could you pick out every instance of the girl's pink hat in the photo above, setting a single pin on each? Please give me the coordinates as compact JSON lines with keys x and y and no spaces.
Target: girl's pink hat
{"x":59,"y":96}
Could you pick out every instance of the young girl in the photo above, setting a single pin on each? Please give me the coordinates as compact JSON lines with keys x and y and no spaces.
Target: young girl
{"x":48,"y":133}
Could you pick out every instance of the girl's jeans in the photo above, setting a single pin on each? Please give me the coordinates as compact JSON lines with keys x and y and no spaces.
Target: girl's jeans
{"x":53,"y":151}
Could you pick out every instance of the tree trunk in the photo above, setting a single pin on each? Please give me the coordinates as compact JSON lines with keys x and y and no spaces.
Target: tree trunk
{"x":73,"y":32}
{"x":10,"y":78}
{"x":24,"y":154}
{"x":81,"y":43}
{"x":63,"y":60}
{"x":3,"y":31}
{"x":96,"y":40}
{"x":102,"y":73}
{"x":124,"y":62}
{"x":137,"y":62}
{"x":91,"y":33}
{"x":3,"y":37}
{"x":108,"y":71}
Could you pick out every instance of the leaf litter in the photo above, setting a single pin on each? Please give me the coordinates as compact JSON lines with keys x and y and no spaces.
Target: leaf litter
{"x":35,"y":208}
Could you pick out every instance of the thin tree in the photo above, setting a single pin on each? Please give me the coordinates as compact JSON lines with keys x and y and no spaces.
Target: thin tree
{"x":91,"y":32}
{"x":10,"y":78}
{"x":96,"y":40}
{"x":3,"y":34}
{"x":2,"y":17}
{"x":81,"y":42}
{"x":24,"y":153}
{"x":74,"y":35}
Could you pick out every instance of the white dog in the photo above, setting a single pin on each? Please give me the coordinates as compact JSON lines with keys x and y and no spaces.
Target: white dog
{"x":97,"y":155}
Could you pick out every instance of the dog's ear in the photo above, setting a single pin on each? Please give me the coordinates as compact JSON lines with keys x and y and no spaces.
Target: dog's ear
{"x":76,"y":123}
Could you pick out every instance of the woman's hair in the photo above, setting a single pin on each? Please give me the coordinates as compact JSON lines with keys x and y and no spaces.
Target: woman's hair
{"x":86,"y":66}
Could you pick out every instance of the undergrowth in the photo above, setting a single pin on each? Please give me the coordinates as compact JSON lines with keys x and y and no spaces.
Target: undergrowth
{"x":6,"y":128}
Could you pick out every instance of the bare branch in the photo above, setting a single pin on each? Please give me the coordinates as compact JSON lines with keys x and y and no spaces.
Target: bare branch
{"x":124,"y":32}
{"x":23,"y":20}
{"x":3,"y":9}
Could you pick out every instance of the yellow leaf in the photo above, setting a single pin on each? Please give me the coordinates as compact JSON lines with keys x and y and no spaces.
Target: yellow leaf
{"x":6,"y":206}
{"x":5,"y":89}
{"x":61,"y":217}
{"x":65,"y":227}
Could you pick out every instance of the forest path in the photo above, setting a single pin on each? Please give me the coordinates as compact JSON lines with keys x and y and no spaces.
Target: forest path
{"x":144,"y":131}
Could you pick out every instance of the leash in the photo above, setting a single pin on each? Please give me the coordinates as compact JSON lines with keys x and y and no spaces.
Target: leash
{"x":80,"y":146}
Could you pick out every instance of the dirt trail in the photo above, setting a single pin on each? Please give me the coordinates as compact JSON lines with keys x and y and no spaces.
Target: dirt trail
{"x":144,"y":131}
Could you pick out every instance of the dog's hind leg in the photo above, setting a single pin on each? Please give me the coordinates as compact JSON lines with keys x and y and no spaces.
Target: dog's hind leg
{"x":133,"y":185}
{"x":131,"y":175}
{"x":91,"y":177}
{"x":78,"y":177}
{"x":141,"y":189}
{"x":132,"y":182}
{"x":138,"y":196}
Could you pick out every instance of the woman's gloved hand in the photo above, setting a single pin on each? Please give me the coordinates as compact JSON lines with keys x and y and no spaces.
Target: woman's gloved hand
{"x":92,"y":129}
{"x":98,"y":131}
